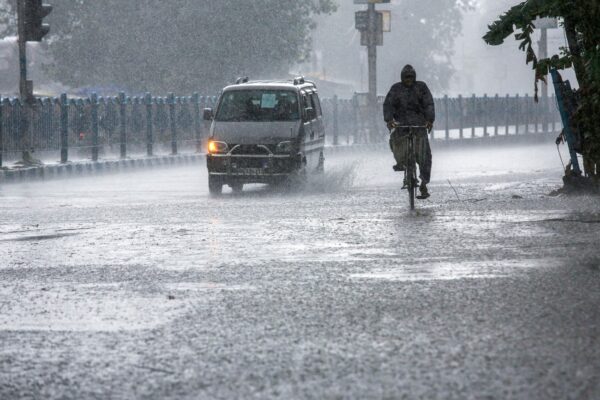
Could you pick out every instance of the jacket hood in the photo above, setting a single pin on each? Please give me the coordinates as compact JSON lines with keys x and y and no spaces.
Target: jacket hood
{"x":407,"y":72}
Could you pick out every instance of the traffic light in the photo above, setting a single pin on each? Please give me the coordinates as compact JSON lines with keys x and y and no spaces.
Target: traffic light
{"x":34,"y":13}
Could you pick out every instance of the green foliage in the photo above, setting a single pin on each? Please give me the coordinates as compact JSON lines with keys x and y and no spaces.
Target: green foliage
{"x":582,"y":19}
{"x":179,"y":45}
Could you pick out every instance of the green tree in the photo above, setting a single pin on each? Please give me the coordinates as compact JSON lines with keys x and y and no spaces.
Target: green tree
{"x":179,"y":45}
{"x":581,"y":19}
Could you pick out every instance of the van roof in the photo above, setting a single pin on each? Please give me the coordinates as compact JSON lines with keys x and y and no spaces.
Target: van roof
{"x":294,"y":84}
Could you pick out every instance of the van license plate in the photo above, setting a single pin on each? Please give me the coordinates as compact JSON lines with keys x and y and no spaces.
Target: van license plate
{"x":250,"y":171}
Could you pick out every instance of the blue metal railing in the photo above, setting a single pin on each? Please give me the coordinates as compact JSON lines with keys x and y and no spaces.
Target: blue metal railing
{"x":121,"y":126}
{"x":97,"y":126}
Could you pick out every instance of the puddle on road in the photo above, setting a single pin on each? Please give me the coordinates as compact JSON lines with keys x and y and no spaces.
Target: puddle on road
{"x":453,"y":270}
{"x":101,"y":307}
{"x":37,"y":238}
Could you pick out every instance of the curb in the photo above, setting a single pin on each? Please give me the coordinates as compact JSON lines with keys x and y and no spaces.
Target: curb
{"x":78,"y":169}
{"x":500,"y":140}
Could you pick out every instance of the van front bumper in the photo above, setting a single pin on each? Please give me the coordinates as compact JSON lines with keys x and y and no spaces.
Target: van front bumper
{"x":252,"y":168}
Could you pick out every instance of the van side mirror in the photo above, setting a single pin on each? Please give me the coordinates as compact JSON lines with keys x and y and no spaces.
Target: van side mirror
{"x":208,"y":114}
{"x":309,"y":113}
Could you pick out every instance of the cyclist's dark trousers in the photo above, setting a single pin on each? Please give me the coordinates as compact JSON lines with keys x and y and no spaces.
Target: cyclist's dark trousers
{"x":399,"y":146}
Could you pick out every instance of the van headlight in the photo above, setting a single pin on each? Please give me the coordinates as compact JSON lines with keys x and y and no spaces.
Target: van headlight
{"x":285,"y":147}
{"x":216,"y":147}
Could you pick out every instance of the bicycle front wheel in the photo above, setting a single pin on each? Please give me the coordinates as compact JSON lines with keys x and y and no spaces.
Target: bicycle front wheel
{"x":411,"y":173}
{"x":411,"y":191}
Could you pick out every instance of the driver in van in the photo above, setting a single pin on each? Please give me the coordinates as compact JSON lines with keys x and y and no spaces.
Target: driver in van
{"x":283,"y":109}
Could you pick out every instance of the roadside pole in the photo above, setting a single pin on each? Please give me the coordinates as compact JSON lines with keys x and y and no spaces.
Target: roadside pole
{"x":371,"y":25}
{"x":544,"y":24}
{"x":25,"y":86}
{"x":31,"y":28}
{"x":372,"y":56}
{"x":543,"y":53}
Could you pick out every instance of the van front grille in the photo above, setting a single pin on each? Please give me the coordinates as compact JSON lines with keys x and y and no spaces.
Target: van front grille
{"x":250,"y":149}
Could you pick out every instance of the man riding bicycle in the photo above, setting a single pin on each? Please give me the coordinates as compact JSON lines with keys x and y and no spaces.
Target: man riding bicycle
{"x":410,"y":103}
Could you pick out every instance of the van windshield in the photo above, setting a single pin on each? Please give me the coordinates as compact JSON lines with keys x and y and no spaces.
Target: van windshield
{"x":259,"y":105}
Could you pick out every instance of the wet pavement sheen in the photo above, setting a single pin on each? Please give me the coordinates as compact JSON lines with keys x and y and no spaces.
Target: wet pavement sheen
{"x":142,"y":286}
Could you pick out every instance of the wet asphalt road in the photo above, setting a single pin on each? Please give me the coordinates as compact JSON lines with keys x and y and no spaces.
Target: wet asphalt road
{"x":142,"y":286}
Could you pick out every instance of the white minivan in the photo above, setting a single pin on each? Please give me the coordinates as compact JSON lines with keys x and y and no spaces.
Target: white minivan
{"x":264,"y":132}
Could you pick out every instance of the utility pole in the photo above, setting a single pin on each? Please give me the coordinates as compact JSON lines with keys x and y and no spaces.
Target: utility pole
{"x":372,"y":55}
{"x":30,"y":15}
{"x":543,"y":24}
{"x":543,"y":53}
{"x":371,"y":25}
{"x":25,"y":86}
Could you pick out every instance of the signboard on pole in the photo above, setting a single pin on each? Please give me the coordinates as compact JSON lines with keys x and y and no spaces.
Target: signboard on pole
{"x":364,"y":38}
{"x":386,"y":21}
{"x":361,"y":19}
{"x":381,"y":26}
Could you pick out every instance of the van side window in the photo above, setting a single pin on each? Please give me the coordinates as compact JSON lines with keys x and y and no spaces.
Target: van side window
{"x":306,"y":103}
{"x":316,"y":104}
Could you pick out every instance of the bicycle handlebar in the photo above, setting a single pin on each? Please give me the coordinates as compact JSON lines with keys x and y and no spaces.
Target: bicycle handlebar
{"x":409,"y":127}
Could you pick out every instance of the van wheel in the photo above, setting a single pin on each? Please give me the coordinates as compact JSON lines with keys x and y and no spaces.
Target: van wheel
{"x":215,"y":185}
{"x":237,"y":187}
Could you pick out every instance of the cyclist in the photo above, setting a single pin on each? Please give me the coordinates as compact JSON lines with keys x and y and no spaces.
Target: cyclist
{"x":410,"y":103}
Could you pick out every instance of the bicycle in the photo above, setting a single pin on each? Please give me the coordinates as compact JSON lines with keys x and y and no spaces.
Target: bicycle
{"x":410,"y":171}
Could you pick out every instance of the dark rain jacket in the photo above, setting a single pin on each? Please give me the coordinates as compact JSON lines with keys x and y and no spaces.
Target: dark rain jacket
{"x":409,"y":105}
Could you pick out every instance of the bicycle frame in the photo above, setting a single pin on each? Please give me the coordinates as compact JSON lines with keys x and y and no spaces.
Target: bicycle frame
{"x":410,"y":172}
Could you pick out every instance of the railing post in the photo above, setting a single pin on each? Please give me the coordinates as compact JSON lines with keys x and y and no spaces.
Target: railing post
{"x":473,"y":116}
{"x":527,"y":113}
{"x":495,"y":114}
{"x":517,"y":113}
{"x":1,"y":129}
{"x":446,"y":116}
{"x":172,"y":118}
{"x":197,"y":121}
{"x":350,"y":116}
{"x":149,"y":133}
{"x":485,"y":115}
{"x":461,"y":122}
{"x":536,"y":115}
{"x":94,"y":115}
{"x":355,"y":111}
{"x":335,"y":121}
{"x":123,"y":133}
{"x":64,"y":128}
{"x":506,"y":115}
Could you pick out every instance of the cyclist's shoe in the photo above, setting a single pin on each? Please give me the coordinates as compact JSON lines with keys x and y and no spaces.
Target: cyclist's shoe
{"x":398,"y":168}
{"x":424,"y":192}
